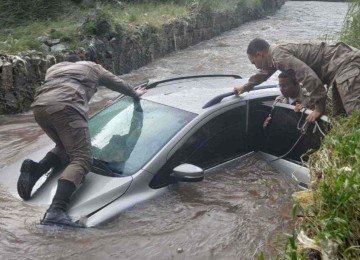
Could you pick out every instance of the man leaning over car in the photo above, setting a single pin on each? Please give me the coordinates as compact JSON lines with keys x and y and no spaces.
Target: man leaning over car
{"x":60,"y":108}
{"x":315,"y":65}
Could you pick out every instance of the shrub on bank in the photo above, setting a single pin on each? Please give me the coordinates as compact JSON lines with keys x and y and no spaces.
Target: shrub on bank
{"x":14,"y":12}
{"x":329,"y":226}
{"x":336,"y":215}
{"x":351,"y":29}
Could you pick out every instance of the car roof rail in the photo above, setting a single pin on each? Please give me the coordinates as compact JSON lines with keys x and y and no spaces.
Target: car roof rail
{"x":218,"y":98}
{"x":154,"y":84}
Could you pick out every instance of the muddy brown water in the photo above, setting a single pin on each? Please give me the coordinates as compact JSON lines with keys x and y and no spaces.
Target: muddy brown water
{"x":235,"y":213}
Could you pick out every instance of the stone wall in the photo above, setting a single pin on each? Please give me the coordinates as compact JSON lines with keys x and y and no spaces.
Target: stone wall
{"x":123,"y":52}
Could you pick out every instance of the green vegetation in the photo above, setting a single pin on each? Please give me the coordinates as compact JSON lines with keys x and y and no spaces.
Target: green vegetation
{"x":334,"y":217}
{"x":331,"y":210}
{"x":351,"y":29}
{"x":66,"y":20}
{"x":14,"y":12}
{"x":147,"y":13}
{"x":25,"y":37}
{"x":25,"y":23}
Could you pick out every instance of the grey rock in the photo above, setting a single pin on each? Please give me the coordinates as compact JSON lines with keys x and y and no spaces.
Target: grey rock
{"x":52,"y":42}
{"x":58,"y":48}
{"x":43,"y":38}
{"x":45,"y":48}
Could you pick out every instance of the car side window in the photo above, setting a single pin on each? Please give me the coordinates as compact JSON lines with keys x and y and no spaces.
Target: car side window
{"x":259,"y":110}
{"x":219,"y":140}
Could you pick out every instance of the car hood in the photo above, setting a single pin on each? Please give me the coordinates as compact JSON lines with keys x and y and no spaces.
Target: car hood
{"x":96,"y":192}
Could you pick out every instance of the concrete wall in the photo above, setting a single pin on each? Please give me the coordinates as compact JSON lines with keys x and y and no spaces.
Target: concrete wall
{"x":121,"y":53}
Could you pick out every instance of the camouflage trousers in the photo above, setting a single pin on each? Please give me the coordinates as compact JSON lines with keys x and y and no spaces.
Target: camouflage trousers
{"x":70,"y":132}
{"x":346,"y":89}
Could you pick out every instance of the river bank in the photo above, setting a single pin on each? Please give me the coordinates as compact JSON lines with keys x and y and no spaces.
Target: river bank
{"x":329,"y":227}
{"x":122,"y":51}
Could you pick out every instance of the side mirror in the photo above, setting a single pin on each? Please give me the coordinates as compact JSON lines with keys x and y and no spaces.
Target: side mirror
{"x":188,"y":173}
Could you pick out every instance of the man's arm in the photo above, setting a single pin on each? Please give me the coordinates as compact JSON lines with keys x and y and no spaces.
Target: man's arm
{"x":255,"y":80}
{"x":258,"y":78}
{"x":115,"y":83}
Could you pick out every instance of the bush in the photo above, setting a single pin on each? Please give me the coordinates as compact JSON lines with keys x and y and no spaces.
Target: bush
{"x":97,"y":23}
{"x":15,"y":12}
{"x":338,"y":196}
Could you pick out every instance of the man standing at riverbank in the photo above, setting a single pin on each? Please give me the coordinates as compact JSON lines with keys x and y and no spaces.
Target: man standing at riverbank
{"x":315,"y":65}
{"x":60,"y":108}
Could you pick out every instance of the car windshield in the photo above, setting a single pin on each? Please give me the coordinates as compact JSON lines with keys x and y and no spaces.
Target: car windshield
{"x":126,"y":135}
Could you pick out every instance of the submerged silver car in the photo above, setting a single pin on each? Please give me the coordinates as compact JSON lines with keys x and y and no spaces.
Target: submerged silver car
{"x":180,"y":129}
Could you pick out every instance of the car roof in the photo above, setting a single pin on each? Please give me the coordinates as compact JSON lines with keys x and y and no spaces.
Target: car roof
{"x":192,"y":93}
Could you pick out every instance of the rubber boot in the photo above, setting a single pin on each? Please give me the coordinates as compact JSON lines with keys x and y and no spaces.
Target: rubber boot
{"x":32,"y":171}
{"x":50,"y":161}
{"x":56,"y":214}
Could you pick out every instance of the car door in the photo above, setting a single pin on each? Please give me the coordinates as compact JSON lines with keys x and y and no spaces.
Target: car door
{"x":217,"y":140}
{"x":284,"y":134}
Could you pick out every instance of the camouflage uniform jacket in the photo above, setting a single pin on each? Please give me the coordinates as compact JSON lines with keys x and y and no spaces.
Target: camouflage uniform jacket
{"x":74,"y":83}
{"x":314,"y":64}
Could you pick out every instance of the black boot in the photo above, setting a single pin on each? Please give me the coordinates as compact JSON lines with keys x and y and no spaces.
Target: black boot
{"x":56,"y":214}
{"x":50,"y":161}
{"x":32,"y":171}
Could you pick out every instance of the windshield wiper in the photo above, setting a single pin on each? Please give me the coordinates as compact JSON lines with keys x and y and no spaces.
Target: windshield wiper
{"x":104,"y":168}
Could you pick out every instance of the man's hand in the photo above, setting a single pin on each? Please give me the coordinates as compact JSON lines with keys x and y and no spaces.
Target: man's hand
{"x":140,"y":91}
{"x":109,"y":102}
{"x":267,"y":121}
{"x":239,"y":89}
{"x":313,"y":116}
{"x":298,"y":107}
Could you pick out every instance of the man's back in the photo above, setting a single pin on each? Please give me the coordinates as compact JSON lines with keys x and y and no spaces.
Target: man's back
{"x":325,"y":60}
{"x":74,"y":83}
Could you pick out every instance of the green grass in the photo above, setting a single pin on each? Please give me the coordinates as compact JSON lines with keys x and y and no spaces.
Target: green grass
{"x":24,"y":36}
{"x":351,"y":28}
{"x":21,"y":34}
{"x":337,"y":198}
{"x":154,"y":14}
{"x":334,"y":216}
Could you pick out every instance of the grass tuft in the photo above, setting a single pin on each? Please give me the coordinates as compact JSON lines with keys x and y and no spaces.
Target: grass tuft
{"x":351,"y":28}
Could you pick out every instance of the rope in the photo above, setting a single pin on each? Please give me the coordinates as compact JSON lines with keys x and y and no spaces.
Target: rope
{"x":317,"y":126}
{"x":304,"y":127}
{"x":302,"y":130}
{"x":282,"y":156}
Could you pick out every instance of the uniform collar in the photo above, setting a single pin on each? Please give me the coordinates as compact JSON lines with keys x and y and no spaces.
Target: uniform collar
{"x":270,"y":61}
